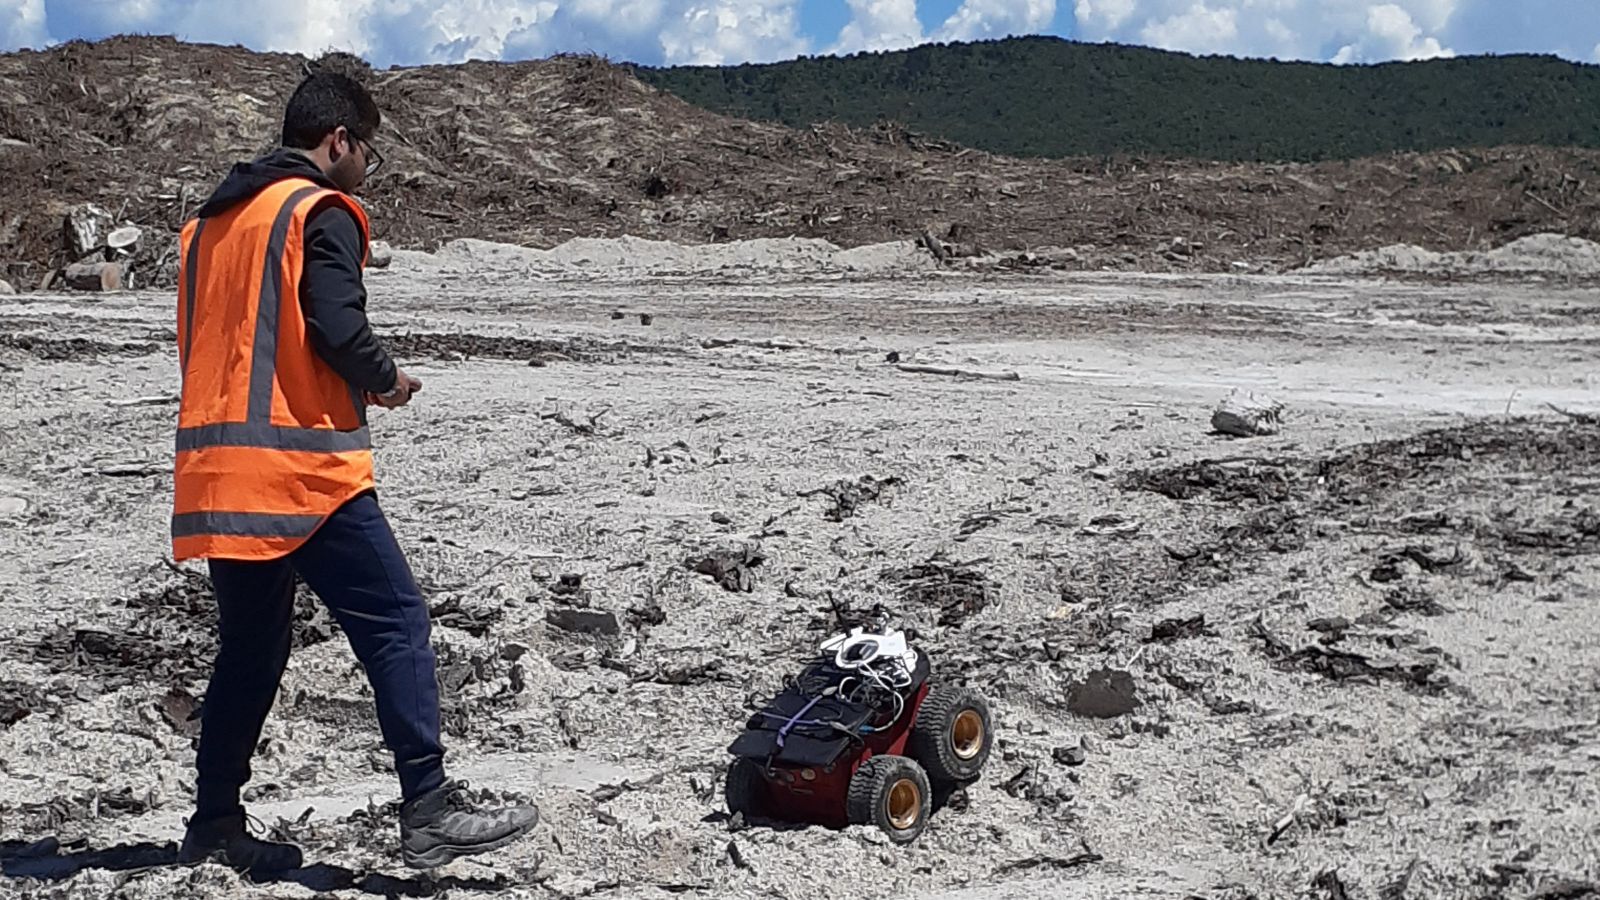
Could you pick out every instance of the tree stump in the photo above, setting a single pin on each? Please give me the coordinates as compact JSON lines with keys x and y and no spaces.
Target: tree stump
{"x":94,"y":276}
{"x":124,"y":241}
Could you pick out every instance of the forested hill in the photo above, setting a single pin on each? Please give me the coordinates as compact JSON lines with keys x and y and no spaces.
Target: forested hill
{"x":1044,"y":96}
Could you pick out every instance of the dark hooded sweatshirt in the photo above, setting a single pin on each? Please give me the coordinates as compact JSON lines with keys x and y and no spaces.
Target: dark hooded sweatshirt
{"x":332,"y":295}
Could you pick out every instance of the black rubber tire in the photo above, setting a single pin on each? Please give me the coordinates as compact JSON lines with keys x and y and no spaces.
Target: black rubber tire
{"x":879,"y":790}
{"x":745,"y":789}
{"x":934,"y":738}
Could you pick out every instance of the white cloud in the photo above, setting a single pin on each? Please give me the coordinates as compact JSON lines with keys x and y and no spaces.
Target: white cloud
{"x":1391,"y":34}
{"x":1198,"y":29}
{"x":977,"y":19}
{"x":1343,"y":30}
{"x":1105,"y":15}
{"x":879,"y":25}
{"x":708,"y":31}
{"x":732,"y":31}
{"x":22,"y":23}
{"x":423,"y":31}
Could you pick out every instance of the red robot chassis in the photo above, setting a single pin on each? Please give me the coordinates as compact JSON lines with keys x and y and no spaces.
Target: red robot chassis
{"x":862,"y":736}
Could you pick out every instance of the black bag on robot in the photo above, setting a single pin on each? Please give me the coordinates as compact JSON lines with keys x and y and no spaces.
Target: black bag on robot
{"x":802,"y":744}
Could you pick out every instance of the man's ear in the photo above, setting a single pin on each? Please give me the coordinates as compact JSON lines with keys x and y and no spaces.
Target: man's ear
{"x":340,"y":134}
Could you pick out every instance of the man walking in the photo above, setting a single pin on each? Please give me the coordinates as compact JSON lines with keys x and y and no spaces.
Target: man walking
{"x":274,"y":476}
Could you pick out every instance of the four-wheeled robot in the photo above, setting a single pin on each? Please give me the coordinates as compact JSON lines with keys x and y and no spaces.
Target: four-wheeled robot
{"x":861,"y":736}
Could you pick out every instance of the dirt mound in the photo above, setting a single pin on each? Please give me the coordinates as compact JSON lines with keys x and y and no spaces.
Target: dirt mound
{"x":1541,"y":254}
{"x":633,"y":256}
{"x":538,"y":153}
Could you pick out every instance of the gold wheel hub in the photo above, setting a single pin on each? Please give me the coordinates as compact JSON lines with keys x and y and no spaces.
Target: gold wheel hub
{"x":966,"y":734}
{"x":905,"y":804}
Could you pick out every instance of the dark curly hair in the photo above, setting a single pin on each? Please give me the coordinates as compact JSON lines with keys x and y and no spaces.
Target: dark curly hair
{"x":323,"y":102}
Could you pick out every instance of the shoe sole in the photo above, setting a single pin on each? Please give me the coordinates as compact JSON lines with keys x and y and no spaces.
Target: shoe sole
{"x":446,"y":853}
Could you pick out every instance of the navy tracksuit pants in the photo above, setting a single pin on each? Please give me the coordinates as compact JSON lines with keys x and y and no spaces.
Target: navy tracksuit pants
{"x":353,"y":564}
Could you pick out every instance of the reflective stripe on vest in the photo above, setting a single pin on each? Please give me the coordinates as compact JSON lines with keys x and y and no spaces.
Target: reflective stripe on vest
{"x":236,"y":503}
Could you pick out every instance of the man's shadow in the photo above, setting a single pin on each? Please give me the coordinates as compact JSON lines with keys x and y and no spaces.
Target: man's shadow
{"x":49,"y":860}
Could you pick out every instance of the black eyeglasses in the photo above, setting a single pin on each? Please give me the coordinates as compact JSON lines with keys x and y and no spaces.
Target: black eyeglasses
{"x":374,"y":158}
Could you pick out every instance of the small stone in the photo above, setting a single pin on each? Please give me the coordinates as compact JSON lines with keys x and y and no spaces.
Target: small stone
{"x":646,"y":318}
{"x":1071,"y":756}
{"x":379,"y":255}
{"x":1104,"y":694}
{"x":12,"y":507}
{"x":1151,"y":727}
{"x":584,"y":621}
{"x":617,"y":314}
{"x":1090,"y":744}
{"x":721,"y":518}
{"x":6,"y":288}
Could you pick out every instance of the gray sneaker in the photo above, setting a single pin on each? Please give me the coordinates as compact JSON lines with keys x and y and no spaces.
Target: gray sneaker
{"x":443,"y":824}
{"x":226,"y":840}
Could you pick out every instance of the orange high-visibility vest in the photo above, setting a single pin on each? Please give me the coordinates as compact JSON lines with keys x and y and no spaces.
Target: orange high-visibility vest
{"x":270,"y":439}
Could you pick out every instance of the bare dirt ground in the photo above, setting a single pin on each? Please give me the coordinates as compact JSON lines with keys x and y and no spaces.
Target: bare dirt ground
{"x":1364,"y":650}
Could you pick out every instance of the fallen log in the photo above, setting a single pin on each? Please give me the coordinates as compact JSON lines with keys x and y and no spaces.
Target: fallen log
{"x":957,"y":373}
{"x":717,"y":343}
{"x":1580,"y":418}
{"x":157,"y":400}
{"x":94,"y":276}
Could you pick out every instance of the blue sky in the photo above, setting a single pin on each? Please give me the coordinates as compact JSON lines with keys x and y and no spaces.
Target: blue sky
{"x":409,"y":32}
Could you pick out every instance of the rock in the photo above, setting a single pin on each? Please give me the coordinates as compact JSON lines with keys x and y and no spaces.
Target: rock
{"x":1247,"y":416}
{"x":1333,"y":626}
{"x":1071,"y":756}
{"x":85,"y":228}
{"x":1151,"y":727}
{"x":12,"y":507}
{"x":646,"y":318}
{"x":1104,"y":694}
{"x":731,"y":567}
{"x":584,"y":621}
{"x":721,"y":518}
{"x":569,"y":589}
{"x":1179,"y":629}
{"x":181,"y":711}
{"x":6,"y":288}
{"x":379,"y":255}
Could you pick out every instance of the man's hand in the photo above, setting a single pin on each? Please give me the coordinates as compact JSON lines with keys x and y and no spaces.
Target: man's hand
{"x":400,"y":394}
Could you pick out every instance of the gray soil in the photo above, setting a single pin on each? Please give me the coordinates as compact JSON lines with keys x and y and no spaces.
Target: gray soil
{"x":1364,"y":650}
